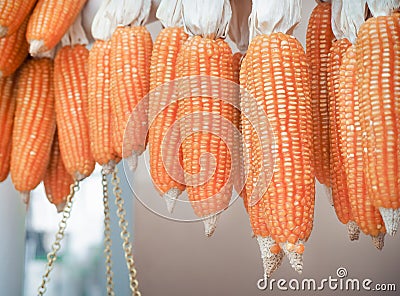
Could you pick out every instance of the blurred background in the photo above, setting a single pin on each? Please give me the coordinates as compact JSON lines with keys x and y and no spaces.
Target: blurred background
{"x":172,"y":258}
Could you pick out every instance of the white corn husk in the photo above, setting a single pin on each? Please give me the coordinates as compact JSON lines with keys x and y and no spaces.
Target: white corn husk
{"x":239,"y":25}
{"x":169,"y":13}
{"x":349,"y":19}
{"x":75,"y":34}
{"x":207,"y":18}
{"x":113,"y":13}
{"x":383,"y":7}
{"x":274,"y":16}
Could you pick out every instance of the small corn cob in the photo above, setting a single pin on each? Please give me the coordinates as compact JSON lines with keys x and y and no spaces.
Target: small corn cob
{"x":276,"y":67}
{"x":238,"y":165}
{"x":319,"y":40}
{"x":365,"y":214}
{"x":14,"y":50}
{"x":49,"y":22}
{"x":164,"y":166}
{"x":34,"y":124}
{"x":378,"y":70}
{"x":271,"y":253}
{"x":100,"y":120}
{"x":208,"y":195}
{"x":57,"y":181}
{"x":340,"y":195}
{"x":129,"y":85}
{"x":12,"y":15}
{"x":71,"y":103}
{"x":7,"y":109}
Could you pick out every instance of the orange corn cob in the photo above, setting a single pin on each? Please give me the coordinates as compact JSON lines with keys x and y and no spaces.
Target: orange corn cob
{"x":71,"y":103}
{"x":12,"y":15}
{"x":319,"y":40}
{"x":14,"y":50}
{"x":365,"y":214}
{"x":277,"y":73}
{"x":130,"y":46}
{"x":49,"y":22}
{"x":100,"y":120}
{"x":203,"y":56}
{"x":340,"y":195}
{"x":162,"y":70}
{"x":7,"y":108}
{"x":238,"y":169}
{"x":378,"y":70}
{"x":57,"y":181}
{"x":34,"y":124}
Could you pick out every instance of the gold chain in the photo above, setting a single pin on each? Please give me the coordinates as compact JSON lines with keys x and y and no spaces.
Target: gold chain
{"x":107,"y":236}
{"x":123,"y":224}
{"x":52,"y":255}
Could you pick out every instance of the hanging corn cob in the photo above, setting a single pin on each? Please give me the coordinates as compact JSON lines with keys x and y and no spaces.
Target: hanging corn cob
{"x":277,"y":72}
{"x":14,"y":50}
{"x":7,"y":109}
{"x":365,"y":214}
{"x":319,"y":40}
{"x":99,"y":90}
{"x":13,"y":14}
{"x":345,"y":21}
{"x":205,"y":53}
{"x":49,"y":22}
{"x":34,"y":125}
{"x":131,"y":44}
{"x":239,"y":34}
{"x":165,"y":166}
{"x":378,"y":75}
{"x":57,"y":181}
{"x":71,"y":102}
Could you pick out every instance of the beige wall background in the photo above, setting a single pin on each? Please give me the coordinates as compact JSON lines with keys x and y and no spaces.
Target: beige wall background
{"x":175,"y":258}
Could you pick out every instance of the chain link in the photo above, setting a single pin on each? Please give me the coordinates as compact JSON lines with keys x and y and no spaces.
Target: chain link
{"x":107,"y":236}
{"x":123,"y":224}
{"x":52,"y":255}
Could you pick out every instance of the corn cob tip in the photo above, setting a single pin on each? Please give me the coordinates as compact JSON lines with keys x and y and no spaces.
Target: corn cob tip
{"x":271,"y":261}
{"x":78,"y":176}
{"x":170,"y":198}
{"x":295,"y":257}
{"x":60,"y":207}
{"x":391,"y":218}
{"x":3,"y":31}
{"x":328,"y":192}
{"x":109,"y":167}
{"x":353,"y":230}
{"x":210,"y":224}
{"x":36,"y":47}
{"x":379,"y":241}
{"x":25,"y":196}
{"x":133,"y":161}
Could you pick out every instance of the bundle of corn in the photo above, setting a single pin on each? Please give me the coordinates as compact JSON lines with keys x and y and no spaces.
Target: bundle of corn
{"x":99,"y":90}
{"x":239,"y":34}
{"x":34,"y":124}
{"x":275,"y":73}
{"x":165,"y":166}
{"x":14,"y":50}
{"x":319,"y":41}
{"x":49,"y":22}
{"x":13,"y":14}
{"x":346,"y":19}
{"x":57,"y":181}
{"x":378,"y":76}
{"x":7,"y":109}
{"x":130,"y":53}
{"x":204,"y":110}
{"x":71,"y":102}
